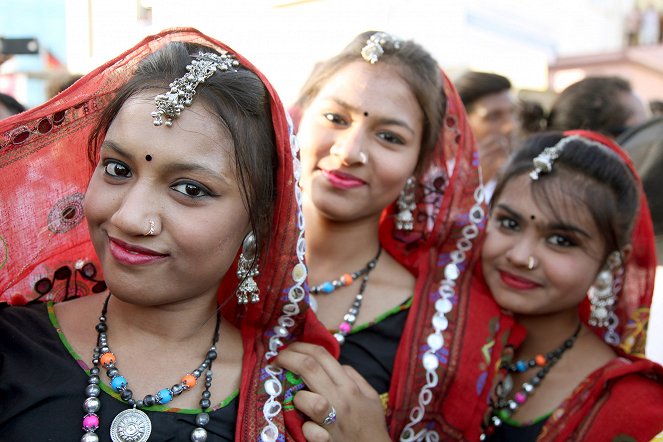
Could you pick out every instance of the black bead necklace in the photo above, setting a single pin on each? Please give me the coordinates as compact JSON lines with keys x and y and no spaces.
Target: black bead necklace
{"x":350,"y":317}
{"x":502,"y":408}
{"x":133,"y":425}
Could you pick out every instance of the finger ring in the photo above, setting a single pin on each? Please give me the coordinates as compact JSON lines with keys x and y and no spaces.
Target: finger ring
{"x":331,"y":418}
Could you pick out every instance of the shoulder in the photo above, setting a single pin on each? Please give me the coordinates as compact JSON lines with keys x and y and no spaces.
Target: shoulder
{"x":23,"y":318}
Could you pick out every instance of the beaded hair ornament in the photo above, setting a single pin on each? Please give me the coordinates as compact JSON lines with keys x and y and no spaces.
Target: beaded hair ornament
{"x":182,"y":90}
{"x":376,"y":45}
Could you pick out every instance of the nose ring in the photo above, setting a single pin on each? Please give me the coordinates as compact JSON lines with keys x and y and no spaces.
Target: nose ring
{"x":531,"y":262}
{"x":152,"y":230}
{"x":363,"y":158}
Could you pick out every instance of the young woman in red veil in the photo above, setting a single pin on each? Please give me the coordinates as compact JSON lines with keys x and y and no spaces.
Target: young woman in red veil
{"x":179,"y":155}
{"x":569,"y":251}
{"x":394,"y":213}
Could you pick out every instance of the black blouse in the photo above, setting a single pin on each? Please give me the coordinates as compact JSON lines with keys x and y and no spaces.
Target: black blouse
{"x":42,"y":388}
{"x":372,"y":349}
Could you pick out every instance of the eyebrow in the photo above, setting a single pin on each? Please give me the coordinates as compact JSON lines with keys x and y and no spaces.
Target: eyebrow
{"x":387,"y":121}
{"x":554,"y":226}
{"x":170,"y":167}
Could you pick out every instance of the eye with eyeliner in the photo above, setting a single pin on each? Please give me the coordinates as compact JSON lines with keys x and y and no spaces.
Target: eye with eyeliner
{"x":116,"y":169}
{"x":193,"y":190}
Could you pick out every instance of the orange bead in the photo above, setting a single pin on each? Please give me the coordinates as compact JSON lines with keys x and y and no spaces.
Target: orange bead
{"x":540,"y":360}
{"x":107,"y":359}
{"x":347,"y":279}
{"x":189,"y":380}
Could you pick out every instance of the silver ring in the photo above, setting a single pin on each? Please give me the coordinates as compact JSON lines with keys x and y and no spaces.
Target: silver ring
{"x":363,"y":158}
{"x":531,"y":262}
{"x":330,"y":419}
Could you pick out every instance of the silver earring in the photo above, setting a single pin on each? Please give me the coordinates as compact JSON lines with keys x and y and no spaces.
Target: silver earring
{"x":406,"y":205}
{"x":247,"y":269}
{"x":601,"y":293}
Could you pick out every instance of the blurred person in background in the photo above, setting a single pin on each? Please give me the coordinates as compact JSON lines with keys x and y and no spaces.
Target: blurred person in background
{"x":9,"y":106}
{"x":603,"y":104}
{"x":656,"y":108}
{"x":491,"y":112}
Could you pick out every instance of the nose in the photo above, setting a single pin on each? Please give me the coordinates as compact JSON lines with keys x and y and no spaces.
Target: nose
{"x":349,"y":147}
{"x":138,"y":213}
{"x":521,"y":253}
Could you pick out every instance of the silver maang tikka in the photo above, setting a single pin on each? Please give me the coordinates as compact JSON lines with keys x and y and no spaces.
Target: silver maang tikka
{"x":377,"y":44}
{"x":182,"y":90}
{"x":247,"y":269}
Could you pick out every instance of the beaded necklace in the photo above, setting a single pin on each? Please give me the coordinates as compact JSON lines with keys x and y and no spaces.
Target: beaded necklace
{"x":503,"y":408}
{"x":344,"y":280}
{"x":133,"y":425}
{"x":351,"y":316}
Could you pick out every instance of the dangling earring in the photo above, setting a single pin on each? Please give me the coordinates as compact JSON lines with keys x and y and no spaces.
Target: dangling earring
{"x":601,"y":293}
{"x":406,"y":205}
{"x":247,"y":269}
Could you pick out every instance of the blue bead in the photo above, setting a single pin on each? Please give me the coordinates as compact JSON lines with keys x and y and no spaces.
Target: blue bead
{"x":118,"y":383}
{"x":327,"y":287}
{"x":164,"y":396}
{"x":521,"y":366}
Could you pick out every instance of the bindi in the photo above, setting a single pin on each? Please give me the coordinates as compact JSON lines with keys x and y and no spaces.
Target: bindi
{"x":532,"y":217}
{"x":366,"y":114}
{"x":148,"y":157}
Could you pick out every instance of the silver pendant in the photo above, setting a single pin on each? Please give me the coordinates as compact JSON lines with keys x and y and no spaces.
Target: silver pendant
{"x":131,"y":425}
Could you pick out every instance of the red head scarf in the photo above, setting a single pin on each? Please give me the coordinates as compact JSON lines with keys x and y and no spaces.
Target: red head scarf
{"x":438,"y":388}
{"x":46,"y":253}
{"x":634,"y":300}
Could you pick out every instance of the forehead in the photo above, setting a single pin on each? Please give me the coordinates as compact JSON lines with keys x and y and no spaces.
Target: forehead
{"x":555,"y":203}
{"x":195,"y":134}
{"x":373,"y":87}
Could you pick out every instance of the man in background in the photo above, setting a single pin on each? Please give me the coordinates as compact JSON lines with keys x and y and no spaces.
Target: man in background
{"x":491,"y":111}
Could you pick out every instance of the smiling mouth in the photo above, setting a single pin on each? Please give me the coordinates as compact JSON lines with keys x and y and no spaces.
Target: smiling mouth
{"x":129,"y":254}
{"x":342,"y":180}
{"x":516,"y":282}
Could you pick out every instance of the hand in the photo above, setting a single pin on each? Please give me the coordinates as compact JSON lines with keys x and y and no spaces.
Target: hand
{"x":359,"y":413}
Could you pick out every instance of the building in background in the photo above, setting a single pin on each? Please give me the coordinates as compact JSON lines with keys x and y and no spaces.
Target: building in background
{"x":516,"y":38}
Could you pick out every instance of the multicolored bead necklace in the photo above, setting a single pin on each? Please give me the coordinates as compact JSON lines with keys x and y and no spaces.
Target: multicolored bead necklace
{"x":344,"y":280}
{"x":502,"y":408}
{"x":133,"y":425}
{"x":351,"y":316}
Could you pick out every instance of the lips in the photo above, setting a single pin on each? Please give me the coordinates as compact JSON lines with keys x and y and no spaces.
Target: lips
{"x":130,"y":254}
{"x":342,"y":180}
{"x":517,"y":282}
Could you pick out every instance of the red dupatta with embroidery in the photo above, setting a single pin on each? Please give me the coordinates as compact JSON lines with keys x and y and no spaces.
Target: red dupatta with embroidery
{"x":452,"y":337}
{"x":46,"y":253}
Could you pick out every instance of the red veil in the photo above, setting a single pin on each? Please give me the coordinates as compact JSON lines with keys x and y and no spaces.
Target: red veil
{"x":451,"y":338}
{"x":46,"y":253}
{"x":590,"y":412}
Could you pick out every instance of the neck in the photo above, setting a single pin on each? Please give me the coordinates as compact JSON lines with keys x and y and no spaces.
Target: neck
{"x":167,"y":323}
{"x":547,"y":332}
{"x":333,"y":248}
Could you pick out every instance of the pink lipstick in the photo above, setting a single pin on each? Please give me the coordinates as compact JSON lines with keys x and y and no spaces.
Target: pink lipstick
{"x":129,"y":254}
{"x":342,"y":180}
{"x":516,"y":282}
